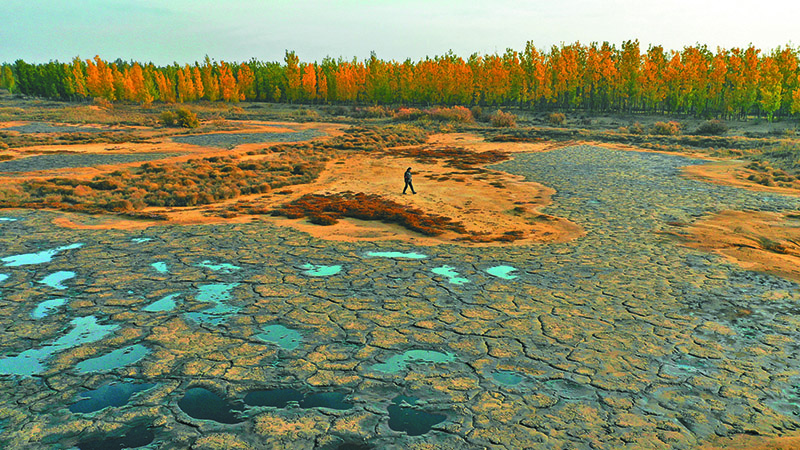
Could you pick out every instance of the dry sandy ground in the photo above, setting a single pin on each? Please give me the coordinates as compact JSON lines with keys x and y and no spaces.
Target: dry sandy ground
{"x":762,"y":241}
{"x":469,"y":199}
{"x":744,"y":442}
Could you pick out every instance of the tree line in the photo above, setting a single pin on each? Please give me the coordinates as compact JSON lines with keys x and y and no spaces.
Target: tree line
{"x":726,"y":83}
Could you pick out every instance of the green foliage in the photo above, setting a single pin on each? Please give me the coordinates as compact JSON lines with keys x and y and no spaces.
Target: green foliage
{"x":181,"y":117}
{"x":186,"y":118}
{"x":7,"y":79}
{"x":732,"y":82}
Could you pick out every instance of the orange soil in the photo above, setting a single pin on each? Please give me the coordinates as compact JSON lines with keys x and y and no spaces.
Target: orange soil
{"x":745,"y":442}
{"x":732,"y":173}
{"x":480,"y":206}
{"x":762,"y":241}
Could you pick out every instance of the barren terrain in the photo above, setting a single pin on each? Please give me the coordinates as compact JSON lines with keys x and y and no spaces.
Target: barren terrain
{"x":583,"y":294}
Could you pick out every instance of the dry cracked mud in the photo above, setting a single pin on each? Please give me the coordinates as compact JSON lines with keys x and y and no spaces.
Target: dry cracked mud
{"x":621,"y":338}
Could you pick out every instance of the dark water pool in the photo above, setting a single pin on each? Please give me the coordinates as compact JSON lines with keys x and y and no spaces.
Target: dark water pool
{"x":280,"y":398}
{"x":404,"y":417}
{"x":112,"y":394}
{"x":134,"y":438}
{"x":200,"y":403}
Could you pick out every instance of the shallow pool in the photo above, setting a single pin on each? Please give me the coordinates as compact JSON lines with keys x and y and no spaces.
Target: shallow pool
{"x":216,"y":294}
{"x":54,"y":280}
{"x":397,"y":363}
{"x":200,"y":403}
{"x":315,"y":270}
{"x":281,"y":336}
{"x":221,"y":267}
{"x":112,"y":394}
{"x":36,"y":258}
{"x":47,"y":307}
{"x":31,"y":362}
{"x":404,"y":417}
{"x":452,"y":276}
{"x":113,"y":360}
{"x":503,"y":272}
{"x":165,"y":304}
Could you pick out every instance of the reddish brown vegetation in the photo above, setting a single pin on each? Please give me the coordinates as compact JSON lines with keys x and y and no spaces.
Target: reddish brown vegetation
{"x":327,"y":209}
{"x":455,"y":157}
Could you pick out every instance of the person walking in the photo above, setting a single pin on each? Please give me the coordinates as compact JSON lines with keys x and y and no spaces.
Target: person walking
{"x":407,"y":178}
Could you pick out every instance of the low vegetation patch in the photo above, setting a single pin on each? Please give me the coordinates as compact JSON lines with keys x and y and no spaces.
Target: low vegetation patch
{"x":194,"y":182}
{"x":327,"y":209}
{"x":671,"y":128}
{"x":456,"y":114}
{"x":778,"y":166}
{"x":455,"y":157}
{"x":371,"y":139}
{"x":202,"y":181}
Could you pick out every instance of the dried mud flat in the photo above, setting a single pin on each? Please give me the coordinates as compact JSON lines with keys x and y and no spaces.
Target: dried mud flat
{"x":619,"y":338}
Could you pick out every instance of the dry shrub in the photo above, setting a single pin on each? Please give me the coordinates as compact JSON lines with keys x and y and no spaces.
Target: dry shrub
{"x":102,"y":103}
{"x":457,"y":114}
{"x":168,"y":118}
{"x":372,"y":112}
{"x":634,"y":128}
{"x":556,"y":118}
{"x":305,"y":115}
{"x":326,"y":209}
{"x":503,"y":120}
{"x":181,"y":117}
{"x":714,"y":127}
{"x":477,"y":113}
{"x":408,"y":114}
{"x":671,"y":128}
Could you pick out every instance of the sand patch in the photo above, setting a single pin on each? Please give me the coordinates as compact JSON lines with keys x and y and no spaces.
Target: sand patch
{"x":761,"y":241}
{"x":490,"y":203}
{"x":732,"y":173}
{"x":745,"y":442}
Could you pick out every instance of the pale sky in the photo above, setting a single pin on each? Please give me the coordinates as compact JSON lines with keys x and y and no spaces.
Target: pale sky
{"x":184,"y":31}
